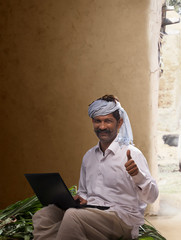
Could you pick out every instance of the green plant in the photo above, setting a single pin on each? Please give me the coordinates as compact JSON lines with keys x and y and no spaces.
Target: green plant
{"x":148,"y":232}
{"x":16,"y":221}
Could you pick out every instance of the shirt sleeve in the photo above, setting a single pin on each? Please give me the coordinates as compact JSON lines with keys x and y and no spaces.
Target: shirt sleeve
{"x":82,"y":190}
{"x":146,"y":186}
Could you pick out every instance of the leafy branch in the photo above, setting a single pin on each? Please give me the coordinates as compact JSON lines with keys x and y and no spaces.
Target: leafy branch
{"x":16,"y":221}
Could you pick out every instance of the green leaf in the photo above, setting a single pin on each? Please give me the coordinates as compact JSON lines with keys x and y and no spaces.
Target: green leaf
{"x":146,"y":238}
{"x":22,"y":211}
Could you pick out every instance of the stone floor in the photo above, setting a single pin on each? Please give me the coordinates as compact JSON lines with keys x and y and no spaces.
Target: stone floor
{"x":168,"y":222}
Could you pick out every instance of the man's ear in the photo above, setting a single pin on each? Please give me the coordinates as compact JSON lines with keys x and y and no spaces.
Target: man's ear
{"x":120,"y":122}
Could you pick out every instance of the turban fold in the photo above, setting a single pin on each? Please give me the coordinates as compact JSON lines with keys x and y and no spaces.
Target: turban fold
{"x":103,"y":107}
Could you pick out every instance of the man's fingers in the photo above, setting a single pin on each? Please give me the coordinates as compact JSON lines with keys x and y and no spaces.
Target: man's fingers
{"x":76,"y":197}
{"x":129,"y":155}
{"x":129,"y":163}
{"x":131,"y":167}
{"x":133,"y":171}
{"x":80,"y":199}
{"x":83,"y":202}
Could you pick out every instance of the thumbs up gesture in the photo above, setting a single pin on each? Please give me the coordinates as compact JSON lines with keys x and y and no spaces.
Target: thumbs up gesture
{"x":130,"y":165}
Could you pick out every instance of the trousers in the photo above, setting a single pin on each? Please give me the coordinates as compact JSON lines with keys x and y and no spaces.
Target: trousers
{"x":78,"y":224}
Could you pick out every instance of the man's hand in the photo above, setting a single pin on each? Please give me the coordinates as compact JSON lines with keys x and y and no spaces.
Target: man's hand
{"x":80,"y":199}
{"x":130,"y":165}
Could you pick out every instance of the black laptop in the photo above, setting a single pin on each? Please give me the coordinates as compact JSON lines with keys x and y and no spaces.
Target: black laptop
{"x":51,"y":189}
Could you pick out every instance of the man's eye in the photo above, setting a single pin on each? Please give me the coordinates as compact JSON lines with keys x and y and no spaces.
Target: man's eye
{"x":108,"y":120}
{"x":96,"y":121}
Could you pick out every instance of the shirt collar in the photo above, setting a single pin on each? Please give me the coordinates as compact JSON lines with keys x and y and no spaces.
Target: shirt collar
{"x":113,"y":147}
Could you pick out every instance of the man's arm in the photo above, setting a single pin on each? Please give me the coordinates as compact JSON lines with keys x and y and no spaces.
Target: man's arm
{"x":82,"y":190}
{"x":147,"y":187}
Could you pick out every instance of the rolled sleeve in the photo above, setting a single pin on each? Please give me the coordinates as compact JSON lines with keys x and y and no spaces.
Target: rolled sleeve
{"x":147,"y":187}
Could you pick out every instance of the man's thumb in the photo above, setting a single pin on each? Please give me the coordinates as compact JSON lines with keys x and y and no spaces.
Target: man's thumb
{"x":129,"y":155}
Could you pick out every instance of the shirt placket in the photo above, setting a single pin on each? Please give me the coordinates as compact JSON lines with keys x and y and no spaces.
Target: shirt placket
{"x":99,"y":183}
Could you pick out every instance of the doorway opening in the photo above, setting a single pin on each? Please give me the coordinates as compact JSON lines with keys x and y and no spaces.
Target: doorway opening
{"x":169,"y":118}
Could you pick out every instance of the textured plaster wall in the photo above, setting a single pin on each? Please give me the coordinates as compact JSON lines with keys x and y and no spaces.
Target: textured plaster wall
{"x":154,"y":24}
{"x":56,"y":58}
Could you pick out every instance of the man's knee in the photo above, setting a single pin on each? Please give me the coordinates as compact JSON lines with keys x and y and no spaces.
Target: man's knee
{"x":51,"y":213}
{"x":71,"y":214}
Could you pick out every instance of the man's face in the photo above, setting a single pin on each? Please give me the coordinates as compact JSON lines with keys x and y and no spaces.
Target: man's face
{"x":106,"y":127}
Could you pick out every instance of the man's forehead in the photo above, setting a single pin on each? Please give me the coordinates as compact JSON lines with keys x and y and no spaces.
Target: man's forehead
{"x":104,"y":116}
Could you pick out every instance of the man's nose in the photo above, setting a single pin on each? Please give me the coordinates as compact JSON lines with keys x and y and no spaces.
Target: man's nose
{"x":102,"y":126}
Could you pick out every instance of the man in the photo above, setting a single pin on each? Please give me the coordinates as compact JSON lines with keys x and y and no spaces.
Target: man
{"x":114,"y":173}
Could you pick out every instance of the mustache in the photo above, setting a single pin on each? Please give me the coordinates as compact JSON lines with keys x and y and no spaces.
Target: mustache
{"x":102,"y":131}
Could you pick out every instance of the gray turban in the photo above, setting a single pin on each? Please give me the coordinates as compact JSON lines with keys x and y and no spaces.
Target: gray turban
{"x":102,"y":108}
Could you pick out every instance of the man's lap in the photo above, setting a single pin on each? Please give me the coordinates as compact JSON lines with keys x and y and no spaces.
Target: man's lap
{"x":93,"y":222}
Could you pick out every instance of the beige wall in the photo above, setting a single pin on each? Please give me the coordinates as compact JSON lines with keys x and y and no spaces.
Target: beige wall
{"x":56,"y":58}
